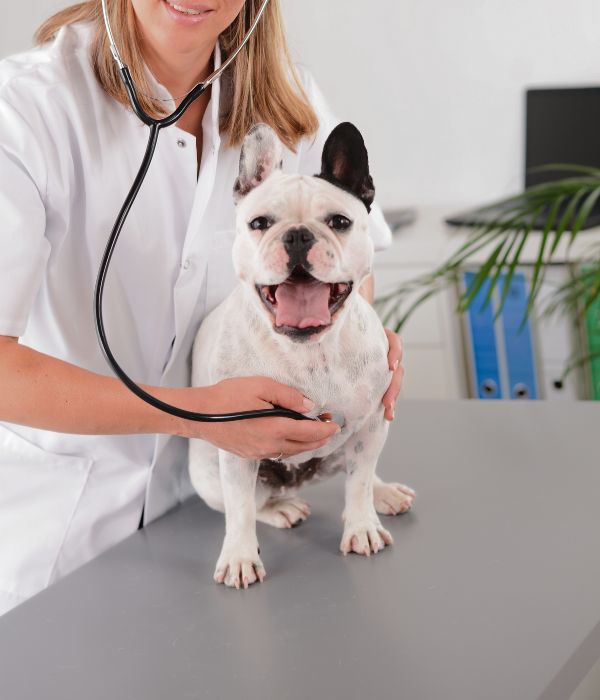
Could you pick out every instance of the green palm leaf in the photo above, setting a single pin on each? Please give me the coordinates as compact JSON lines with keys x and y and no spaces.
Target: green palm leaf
{"x":566,"y":204}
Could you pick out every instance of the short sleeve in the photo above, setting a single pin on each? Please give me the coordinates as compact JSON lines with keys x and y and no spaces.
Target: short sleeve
{"x":24,"y":248}
{"x":311,"y":150}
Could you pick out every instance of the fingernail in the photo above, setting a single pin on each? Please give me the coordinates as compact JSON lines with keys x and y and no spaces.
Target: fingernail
{"x":396,"y":365}
{"x":308,"y":404}
{"x":337,"y":429}
{"x":393,"y":413}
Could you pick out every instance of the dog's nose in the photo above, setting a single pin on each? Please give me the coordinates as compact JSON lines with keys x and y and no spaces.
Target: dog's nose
{"x":298,"y":239}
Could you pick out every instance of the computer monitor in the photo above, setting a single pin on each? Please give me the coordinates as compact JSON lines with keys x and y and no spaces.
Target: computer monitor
{"x":562,"y":126}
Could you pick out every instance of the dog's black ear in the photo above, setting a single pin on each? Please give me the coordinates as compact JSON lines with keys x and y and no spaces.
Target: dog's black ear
{"x":345,"y":163}
{"x":261,"y":154}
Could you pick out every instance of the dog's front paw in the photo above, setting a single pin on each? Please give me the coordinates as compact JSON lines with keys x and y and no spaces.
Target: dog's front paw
{"x":239,"y":566}
{"x":364,"y":535}
{"x":392,"y":499}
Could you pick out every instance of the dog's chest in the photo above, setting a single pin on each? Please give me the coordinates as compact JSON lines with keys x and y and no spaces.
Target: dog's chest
{"x":346,"y":373}
{"x":348,"y":384}
{"x":351,"y":384}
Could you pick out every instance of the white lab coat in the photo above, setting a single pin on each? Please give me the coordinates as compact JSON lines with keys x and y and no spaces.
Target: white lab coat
{"x":68,"y":155}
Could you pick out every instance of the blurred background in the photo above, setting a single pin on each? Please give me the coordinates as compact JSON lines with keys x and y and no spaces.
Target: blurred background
{"x":438,"y":91}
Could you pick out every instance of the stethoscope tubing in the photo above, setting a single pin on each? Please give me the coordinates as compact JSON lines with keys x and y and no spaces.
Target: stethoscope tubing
{"x":155,"y":126}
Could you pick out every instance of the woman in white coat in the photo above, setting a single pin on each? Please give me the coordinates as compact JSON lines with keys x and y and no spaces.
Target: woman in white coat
{"x":81,"y":458}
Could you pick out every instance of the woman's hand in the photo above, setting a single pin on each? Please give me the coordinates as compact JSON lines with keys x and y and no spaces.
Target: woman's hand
{"x":255,"y":438}
{"x":395,"y":364}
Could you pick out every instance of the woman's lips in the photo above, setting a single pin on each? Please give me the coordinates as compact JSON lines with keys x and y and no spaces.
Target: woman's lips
{"x":187,"y":13}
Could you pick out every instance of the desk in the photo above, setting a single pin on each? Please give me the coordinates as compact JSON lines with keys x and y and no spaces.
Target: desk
{"x":491,"y":591}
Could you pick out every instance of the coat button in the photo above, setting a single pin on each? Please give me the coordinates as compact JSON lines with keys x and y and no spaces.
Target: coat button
{"x":186,"y":264}
{"x":181,"y":143}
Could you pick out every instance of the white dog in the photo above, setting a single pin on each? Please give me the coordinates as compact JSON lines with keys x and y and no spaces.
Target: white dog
{"x":301,"y":251}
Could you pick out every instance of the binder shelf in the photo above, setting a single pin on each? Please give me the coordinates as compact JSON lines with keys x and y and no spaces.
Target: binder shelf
{"x":511,"y":356}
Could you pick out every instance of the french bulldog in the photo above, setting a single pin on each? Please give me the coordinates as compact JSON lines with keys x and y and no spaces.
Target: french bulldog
{"x":302,"y":249}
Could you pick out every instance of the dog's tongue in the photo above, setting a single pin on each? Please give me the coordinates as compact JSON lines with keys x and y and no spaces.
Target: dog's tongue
{"x":302,"y":304}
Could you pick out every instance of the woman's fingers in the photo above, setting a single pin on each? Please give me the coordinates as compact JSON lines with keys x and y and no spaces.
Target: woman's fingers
{"x":294,"y":437}
{"x":390,"y":396}
{"x":395,"y":349}
{"x":395,"y":364}
{"x":291,"y":447}
{"x":305,"y":431}
{"x":285,"y":396}
{"x":266,"y":437}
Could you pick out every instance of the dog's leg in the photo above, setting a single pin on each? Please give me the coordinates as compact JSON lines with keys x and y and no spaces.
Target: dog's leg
{"x":363,"y":531}
{"x":393,"y":498}
{"x":239,"y":563}
{"x":204,"y":473}
{"x":282,"y":511}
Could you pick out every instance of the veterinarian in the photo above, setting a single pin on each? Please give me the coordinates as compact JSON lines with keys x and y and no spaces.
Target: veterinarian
{"x":81,"y":458}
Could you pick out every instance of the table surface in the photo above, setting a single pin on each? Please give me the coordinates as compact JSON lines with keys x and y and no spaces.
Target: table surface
{"x":490,"y":592}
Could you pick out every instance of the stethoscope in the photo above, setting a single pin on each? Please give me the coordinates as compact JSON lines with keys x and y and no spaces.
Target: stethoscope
{"x":155,"y":126}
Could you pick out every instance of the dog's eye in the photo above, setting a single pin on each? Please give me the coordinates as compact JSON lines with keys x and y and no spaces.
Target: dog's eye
{"x":261,"y":223}
{"x":337,"y":222}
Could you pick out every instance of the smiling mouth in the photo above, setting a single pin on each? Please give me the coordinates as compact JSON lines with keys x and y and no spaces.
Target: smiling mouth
{"x":187,"y":10}
{"x":303,"y":305}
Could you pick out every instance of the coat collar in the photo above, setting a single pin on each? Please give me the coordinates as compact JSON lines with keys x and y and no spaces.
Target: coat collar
{"x":212,"y":112}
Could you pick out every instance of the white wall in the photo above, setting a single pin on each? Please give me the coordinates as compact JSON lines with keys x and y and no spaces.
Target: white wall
{"x":21,"y":20}
{"x":435,"y":86}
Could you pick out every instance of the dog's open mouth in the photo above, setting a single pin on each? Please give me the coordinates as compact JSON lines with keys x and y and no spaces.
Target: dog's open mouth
{"x":303,"y":305}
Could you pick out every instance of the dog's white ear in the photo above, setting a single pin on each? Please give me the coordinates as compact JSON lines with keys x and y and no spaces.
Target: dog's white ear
{"x":345,"y":163}
{"x":261,"y":154}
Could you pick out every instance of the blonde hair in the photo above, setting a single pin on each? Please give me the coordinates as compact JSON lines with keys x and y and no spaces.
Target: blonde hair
{"x":261,"y":85}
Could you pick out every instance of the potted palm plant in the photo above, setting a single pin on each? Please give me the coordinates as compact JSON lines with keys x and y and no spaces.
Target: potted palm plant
{"x":564,"y":205}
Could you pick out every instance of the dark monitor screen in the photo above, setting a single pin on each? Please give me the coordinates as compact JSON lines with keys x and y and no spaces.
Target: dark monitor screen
{"x":563,"y":126}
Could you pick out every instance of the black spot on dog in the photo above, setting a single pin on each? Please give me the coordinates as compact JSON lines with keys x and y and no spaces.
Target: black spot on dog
{"x":279,"y":476}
